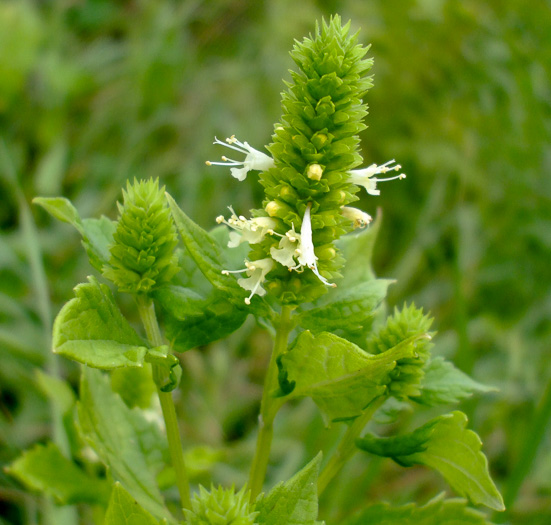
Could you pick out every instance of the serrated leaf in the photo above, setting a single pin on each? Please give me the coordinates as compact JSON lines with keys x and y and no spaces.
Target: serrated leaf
{"x":444,"y":384}
{"x":92,"y":330}
{"x":44,"y":468}
{"x":349,"y":309}
{"x":438,"y":511}
{"x":294,"y":502}
{"x":339,"y":376}
{"x":97,"y":234}
{"x":125,"y":447}
{"x":446,"y":445}
{"x":123,"y":509}
{"x":206,"y":252}
{"x":193,"y":320}
{"x":179,"y":301}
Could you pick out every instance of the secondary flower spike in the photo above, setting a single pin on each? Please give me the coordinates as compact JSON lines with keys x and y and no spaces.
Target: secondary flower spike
{"x":254,"y":159}
{"x":364,"y":177}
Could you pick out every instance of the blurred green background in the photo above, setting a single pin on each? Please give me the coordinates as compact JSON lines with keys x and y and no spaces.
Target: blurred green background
{"x":95,"y":92}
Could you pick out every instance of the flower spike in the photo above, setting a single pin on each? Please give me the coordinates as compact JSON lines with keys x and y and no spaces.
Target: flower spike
{"x":364,"y":177}
{"x":254,"y":159}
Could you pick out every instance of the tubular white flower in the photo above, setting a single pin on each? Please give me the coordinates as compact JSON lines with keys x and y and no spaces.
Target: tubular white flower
{"x":365,"y":177}
{"x":254,"y":159}
{"x":247,"y":230}
{"x":306,"y":256}
{"x":288,"y":248}
{"x":256,"y":274}
{"x":358,"y":217}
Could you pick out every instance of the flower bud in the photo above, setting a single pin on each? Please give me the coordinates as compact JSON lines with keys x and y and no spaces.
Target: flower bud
{"x":221,"y":506}
{"x":142,"y":256}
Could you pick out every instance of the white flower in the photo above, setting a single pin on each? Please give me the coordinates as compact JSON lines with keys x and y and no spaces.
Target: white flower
{"x":256,"y":274}
{"x":254,"y":159}
{"x":358,"y":217}
{"x":364,"y":177}
{"x":298,"y":246}
{"x":288,"y":248}
{"x":247,"y":230}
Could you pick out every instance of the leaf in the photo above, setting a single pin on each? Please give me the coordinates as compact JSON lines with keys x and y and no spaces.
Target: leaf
{"x":123,"y":509}
{"x":135,"y":385}
{"x":97,"y":234}
{"x":206,"y":252}
{"x":358,"y":249}
{"x":122,"y":438}
{"x":62,"y":209}
{"x":97,"y":239}
{"x":44,"y":468}
{"x":294,"y":502}
{"x":349,"y":310}
{"x":92,"y":330}
{"x":444,"y":384}
{"x":193,"y":320}
{"x":339,"y":376}
{"x":435,"y":512}
{"x":446,"y":445}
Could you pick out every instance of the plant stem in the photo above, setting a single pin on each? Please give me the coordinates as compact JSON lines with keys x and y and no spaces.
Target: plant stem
{"x":269,"y":407}
{"x":149,"y":319}
{"x":347,"y":446}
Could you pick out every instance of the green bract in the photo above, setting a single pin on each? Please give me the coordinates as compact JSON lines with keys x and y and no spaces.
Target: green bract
{"x":142,"y":256}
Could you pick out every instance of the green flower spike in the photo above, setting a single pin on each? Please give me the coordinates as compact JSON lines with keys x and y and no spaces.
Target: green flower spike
{"x":220,"y":507}
{"x":142,"y":256}
{"x":310,"y":178}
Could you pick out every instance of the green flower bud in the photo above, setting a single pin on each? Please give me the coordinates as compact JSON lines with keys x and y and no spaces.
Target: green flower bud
{"x":403,"y":324}
{"x":142,"y":256}
{"x":220,"y":507}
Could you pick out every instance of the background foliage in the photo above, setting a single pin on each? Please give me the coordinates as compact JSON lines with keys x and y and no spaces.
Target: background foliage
{"x":95,"y":92}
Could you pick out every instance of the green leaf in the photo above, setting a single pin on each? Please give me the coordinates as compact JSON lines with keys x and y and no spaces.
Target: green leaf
{"x":350,"y":310}
{"x":135,"y":385}
{"x":206,"y":252}
{"x":357,"y":248}
{"x":438,"y":511}
{"x":193,"y":320}
{"x":294,"y":502}
{"x":97,"y":238}
{"x":446,"y":445}
{"x":92,"y":330}
{"x":97,"y":234}
{"x":127,"y":447}
{"x":62,"y":209}
{"x":123,"y":509}
{"x":44,"y":468}
{"x":444,"y":384}
{"x":339,"y":376}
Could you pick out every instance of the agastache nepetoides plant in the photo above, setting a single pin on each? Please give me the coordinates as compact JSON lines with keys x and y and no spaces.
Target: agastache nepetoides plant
{"x":285,"y":265}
